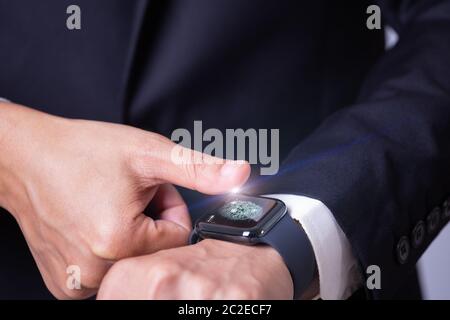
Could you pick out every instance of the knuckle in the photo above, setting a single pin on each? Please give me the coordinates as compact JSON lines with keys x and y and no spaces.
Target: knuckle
{"x":72,"y":294}
{"x":108,"y":289}
{"x":114,"y":278}
{"x":121,"y":268}
{"x":165,"y":271}
{"x":146,"y":155}
{"x":92,"y":273}
{"x":195,"y":172}
{"x":105,"y":243}
{"x":75,"y":281}
{"x":241,"y":292}
{"x":207,"y":287}
{"x":138,"y":163}
{"x":191,"y":170}
{"x":161,"y":276}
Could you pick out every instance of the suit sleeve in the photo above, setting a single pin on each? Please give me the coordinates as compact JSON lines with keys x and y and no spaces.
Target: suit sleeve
{"x":382,"y":165}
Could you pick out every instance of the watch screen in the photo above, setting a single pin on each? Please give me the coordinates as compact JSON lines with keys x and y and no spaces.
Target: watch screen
{"x":241,"y":211}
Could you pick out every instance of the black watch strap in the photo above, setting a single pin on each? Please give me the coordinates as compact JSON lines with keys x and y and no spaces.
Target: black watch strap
{"x":193,"y":237}
{"x":290,"y":240}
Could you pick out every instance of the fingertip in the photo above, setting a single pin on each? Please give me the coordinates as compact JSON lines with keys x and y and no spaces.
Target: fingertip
{"x":230,"y":175}
{"x":234,"y":173}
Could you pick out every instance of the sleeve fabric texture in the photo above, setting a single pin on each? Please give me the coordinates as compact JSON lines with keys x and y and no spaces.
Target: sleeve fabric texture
{"x":382,"y":164}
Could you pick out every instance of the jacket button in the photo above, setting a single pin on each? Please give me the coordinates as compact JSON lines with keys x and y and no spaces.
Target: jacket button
{"x":403,"y":250}
{"x":418,"y":234}
{"x":446,"y":209}
{"x":433,"y":220}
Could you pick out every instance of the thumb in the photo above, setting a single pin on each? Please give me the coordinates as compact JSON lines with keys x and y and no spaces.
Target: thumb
{"x":172,"y":163}
{"x":154,"y":235}
{"x":213,"y":178}
{"x":146,"y":235}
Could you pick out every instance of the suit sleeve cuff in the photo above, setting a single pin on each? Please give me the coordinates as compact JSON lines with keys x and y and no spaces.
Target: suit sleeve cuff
{"x":339,"y":274}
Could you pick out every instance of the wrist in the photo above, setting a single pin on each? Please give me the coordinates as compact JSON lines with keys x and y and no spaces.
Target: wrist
{"x":266,"y":265}
{"x":19,"y":134}
{"x":279,"y":268}
{"x":7,"y":125}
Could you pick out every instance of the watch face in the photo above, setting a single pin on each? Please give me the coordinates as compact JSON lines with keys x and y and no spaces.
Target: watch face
{"x":240,"y":211}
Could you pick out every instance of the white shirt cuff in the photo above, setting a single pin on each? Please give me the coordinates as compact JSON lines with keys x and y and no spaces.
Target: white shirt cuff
{"x":3,"y":100}
{"x":339,"y":274}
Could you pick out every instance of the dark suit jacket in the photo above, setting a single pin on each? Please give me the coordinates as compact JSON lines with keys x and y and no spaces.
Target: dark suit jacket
{"x":363,"y":130}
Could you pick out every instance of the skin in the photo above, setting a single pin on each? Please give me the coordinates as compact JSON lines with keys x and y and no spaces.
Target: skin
{"x":78,"y":190}
{"x":210,"y":269}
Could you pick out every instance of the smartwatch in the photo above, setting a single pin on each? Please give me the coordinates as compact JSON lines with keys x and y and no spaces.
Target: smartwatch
{"x":261,"y":220}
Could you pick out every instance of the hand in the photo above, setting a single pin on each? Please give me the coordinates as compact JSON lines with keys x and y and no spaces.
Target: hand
{"x":210,"y":269}
{"x":78,"y":190}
